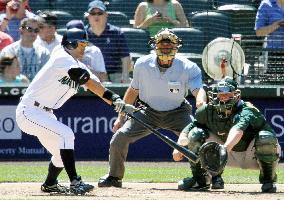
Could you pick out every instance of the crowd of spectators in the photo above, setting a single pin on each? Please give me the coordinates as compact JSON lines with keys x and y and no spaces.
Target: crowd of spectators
{"x":30,"y":36}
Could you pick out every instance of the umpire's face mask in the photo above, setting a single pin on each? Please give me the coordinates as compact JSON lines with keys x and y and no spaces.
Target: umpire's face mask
{"x":166,"y":51}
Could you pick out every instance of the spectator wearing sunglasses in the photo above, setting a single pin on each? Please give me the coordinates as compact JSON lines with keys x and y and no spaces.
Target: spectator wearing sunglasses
{"x":31,"y":56}
{"x":47,"y":36}
{"x":10,"y":72}
{"x":16,"y":10}
{"x":111,"y":42}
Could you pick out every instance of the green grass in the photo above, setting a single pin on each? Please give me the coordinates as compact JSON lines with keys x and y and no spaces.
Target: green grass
{"x":135,"y":172}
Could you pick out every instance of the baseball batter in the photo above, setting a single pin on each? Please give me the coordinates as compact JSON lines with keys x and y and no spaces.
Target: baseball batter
{"x":241,"y":127}
{"x":162,"y":81}
{"x":55,"y":83}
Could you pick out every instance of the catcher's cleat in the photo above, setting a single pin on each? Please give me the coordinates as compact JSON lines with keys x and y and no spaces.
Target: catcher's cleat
{"x":268,"y":187}
{"x":55,"y":188}
{"x":217,"y":182}
{"x":78,"y":187}
{"x":190,"y":184}
{"x":108,"y":181}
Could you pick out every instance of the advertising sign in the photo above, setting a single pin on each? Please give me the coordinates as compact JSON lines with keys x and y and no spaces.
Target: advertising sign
{"x":91,"y":119}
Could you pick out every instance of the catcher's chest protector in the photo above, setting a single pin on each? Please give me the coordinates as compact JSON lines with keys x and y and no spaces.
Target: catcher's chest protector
{"x":218,"y":125}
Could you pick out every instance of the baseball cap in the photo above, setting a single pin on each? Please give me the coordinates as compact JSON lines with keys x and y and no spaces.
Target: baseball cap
{"x":75,"y":24}
{"x":96,"y":4}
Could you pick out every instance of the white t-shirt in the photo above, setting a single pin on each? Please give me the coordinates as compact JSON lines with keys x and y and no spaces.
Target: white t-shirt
{"x":93,"y":58}
{"x":52,"y":86}
{"x":49,"y":46}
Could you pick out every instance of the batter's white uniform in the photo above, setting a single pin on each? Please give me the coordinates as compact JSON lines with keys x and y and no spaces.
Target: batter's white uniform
{"x":49,"y":90}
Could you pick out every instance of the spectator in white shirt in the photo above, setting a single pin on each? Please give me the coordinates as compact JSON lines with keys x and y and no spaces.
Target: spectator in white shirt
{"x":48,"y":36}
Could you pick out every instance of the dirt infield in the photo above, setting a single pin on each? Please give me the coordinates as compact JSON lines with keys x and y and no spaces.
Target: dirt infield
{"x":145,"y":191}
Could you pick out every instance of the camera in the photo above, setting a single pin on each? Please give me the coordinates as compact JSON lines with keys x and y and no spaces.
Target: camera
{"x":15,"y":6}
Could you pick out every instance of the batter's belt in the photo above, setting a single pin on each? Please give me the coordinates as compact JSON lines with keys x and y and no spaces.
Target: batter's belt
{"x":37,"y":104}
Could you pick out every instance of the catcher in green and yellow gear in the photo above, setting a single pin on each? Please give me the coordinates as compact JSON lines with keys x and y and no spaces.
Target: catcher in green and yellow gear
{"x":241,"y":128}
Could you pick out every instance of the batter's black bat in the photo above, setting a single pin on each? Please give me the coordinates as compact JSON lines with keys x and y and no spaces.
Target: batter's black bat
{"x":187,"y":153}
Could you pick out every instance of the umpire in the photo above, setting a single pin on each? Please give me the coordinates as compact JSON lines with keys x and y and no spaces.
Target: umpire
{"x":161,"y":80}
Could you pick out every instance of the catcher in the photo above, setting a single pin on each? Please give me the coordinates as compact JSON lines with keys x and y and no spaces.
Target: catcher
{"x":240,"y":128}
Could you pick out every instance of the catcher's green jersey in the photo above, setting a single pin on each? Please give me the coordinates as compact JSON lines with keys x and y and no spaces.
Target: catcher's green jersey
{"x":247,"y":118}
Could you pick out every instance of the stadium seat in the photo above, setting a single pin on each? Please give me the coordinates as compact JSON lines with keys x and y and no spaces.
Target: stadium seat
{"x":76,"y":8}
{"x":63,"y":18}
{"x":218,"y":3}
{"x":137,"y":40}
{"x":242,"y":18}
{"x":193,"y":6}
{"x":192,"y":39}
{"x":41,"y":5}
{"x":124,"y":6}
{"x":61,"y":31}
{"x":213,"y":24}
{"x":118,"y":19}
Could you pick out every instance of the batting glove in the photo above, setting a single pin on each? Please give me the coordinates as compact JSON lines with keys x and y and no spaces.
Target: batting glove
{"x":122,"y":107}
{"x":119,"y":105}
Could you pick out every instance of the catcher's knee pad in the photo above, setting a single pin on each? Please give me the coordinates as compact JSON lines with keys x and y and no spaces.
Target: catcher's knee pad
{"x":196,"y":137}
{"x":266,"y":147}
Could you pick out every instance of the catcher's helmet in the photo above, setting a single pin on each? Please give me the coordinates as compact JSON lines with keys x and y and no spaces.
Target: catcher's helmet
{"x":166,"y":44}
{"x":224,"y":96}
{"x":72,"y":36}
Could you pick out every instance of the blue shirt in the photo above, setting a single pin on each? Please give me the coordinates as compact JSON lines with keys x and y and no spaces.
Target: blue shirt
{"x":113,"y":46}
{"x":268,"y":13}
{"x":14,"y":25}
{"x":165,"y":91}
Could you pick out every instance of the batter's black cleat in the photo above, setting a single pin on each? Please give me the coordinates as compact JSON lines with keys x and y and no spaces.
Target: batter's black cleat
{"x":108,"y":181}
{"x":268,"y":187}
{"x":217,"y":182}
{"x":190,"y":184}
{"x":78,"y":187}
{"x":55,"y":188}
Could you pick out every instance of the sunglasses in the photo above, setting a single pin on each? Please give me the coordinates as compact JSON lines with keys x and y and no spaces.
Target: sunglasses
{"x":96,"y":13}
{"x":30,"y":29}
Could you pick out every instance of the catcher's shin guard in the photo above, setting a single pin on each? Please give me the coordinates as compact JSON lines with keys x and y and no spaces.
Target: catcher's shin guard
{"x":267,"y":157}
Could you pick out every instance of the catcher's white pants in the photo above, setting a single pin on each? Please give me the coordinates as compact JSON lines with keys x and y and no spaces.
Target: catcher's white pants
{"x":52,"y":134}
{"x":245,"y":159}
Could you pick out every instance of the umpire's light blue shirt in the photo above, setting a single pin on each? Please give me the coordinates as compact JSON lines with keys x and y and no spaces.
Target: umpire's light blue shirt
{"x":165,"y":91}
{"x":268,"y":13}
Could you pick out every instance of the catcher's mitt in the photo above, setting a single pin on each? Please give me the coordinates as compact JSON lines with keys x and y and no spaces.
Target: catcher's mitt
{"x":213,"y":157}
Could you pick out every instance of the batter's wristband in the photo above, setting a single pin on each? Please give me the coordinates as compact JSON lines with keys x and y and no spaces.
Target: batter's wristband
{"x":110,"y":95}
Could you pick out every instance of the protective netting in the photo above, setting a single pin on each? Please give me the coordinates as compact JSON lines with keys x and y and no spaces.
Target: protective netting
{"x":208,"y":19}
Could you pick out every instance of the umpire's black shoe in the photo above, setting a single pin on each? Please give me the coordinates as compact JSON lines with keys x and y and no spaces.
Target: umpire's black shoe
{"x":55,"y":188}
{"x":268,"y":187}
{"x":108,"y":181}
{"x":217,"y":182}
{"x":190,"y":184}
{"x":78,"y":187}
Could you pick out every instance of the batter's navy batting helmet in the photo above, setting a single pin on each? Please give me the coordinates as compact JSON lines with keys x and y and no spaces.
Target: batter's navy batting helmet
{"x":72,"y":36}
